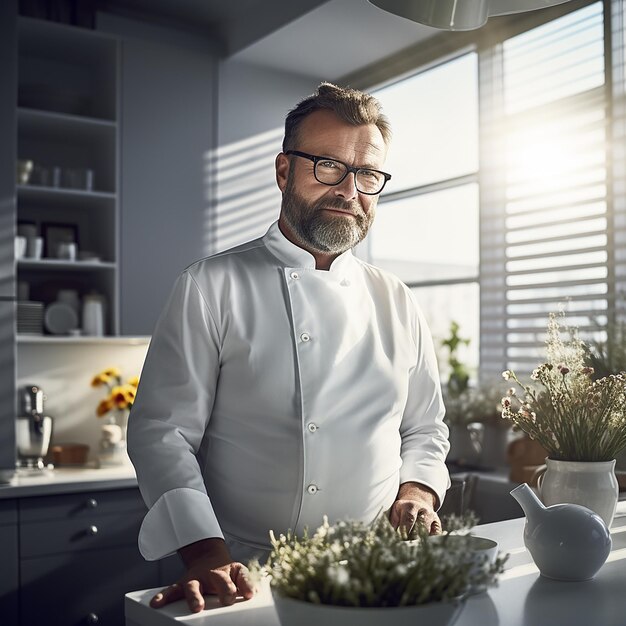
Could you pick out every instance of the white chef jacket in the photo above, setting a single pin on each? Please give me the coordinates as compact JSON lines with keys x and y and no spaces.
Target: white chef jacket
{"x":274,"y":393}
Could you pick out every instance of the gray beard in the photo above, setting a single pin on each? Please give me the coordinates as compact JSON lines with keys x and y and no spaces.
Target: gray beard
{"x":330,"y":234}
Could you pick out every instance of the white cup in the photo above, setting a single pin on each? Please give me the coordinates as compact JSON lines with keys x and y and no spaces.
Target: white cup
{"x":93,"y":315}
{"x":34,"y":247}
{"x":67,"y":250}
{"x":20,"y":246}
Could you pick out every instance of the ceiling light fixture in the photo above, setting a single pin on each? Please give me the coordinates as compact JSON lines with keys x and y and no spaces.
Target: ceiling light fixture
{"x":459,"y":14}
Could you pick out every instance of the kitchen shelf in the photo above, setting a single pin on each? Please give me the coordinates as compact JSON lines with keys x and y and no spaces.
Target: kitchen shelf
{"x":63,"y":195}
{"x":62,"y":124}
{"x":85,"y":341}
{"x":61,"y":264}
{"x":67,"y":111}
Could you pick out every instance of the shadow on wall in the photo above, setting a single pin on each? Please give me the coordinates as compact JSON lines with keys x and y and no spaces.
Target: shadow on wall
{"x":242,"y":198}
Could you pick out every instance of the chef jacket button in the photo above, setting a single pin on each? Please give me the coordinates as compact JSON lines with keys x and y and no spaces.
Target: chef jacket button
{"x":312,"y":427}
{"x":294,"y":275}
{"x":312,"y":489}
{"x":305,"y":337}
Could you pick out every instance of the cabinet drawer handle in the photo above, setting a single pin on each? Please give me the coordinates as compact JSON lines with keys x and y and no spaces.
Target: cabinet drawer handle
{"x":92,"y":503}
{"x":92,"y":530}
{"x":92,"y":618}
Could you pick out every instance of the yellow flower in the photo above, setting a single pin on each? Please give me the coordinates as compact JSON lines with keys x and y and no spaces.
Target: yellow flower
{"x":104,"y":407}
{"x":100,"y":379}
{"x":123,"y":396}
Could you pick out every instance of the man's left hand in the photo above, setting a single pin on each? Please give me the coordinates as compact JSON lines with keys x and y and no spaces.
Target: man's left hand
{"x":415,"y":504}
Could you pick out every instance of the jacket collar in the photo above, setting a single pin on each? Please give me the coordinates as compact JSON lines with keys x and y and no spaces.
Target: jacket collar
{"x":295,"y":257}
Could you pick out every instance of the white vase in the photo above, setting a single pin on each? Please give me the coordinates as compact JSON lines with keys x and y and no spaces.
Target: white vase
{"x":589,"y":483}
{"x":298,"y":613}
{"x":112,"y":452}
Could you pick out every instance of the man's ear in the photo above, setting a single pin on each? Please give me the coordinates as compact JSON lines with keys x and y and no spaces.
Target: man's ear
{"x":282,"y":170}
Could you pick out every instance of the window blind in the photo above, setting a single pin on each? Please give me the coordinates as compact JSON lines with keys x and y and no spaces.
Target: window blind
{"x":545,"y":212}
{"x":618,"y":151}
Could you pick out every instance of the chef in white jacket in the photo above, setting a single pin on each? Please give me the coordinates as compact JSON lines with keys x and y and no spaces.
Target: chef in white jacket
{"x":286,"y":379}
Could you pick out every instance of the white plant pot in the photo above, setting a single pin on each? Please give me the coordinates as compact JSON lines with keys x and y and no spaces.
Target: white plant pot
{"x":590,"y":484}
{"x":298,"y":613}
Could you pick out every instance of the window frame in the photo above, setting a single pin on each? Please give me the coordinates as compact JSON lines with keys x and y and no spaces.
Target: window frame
{"x":488,"y":44}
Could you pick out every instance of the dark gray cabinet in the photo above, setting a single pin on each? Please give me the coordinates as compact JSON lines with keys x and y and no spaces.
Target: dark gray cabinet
{"x":78,"y":556}
{"x":8,"y":211}
{"x":8,"y":561}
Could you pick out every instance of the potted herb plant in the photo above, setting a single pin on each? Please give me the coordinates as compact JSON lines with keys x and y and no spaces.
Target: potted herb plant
{"x":353,"y":573}
{"x":464,"y":435}
{"x":581,"y":422}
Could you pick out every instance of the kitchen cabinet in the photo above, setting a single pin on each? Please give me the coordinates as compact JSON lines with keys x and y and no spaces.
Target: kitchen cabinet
{"x":79,"y":556}
{"x":8,"y":97}
{"x":67,"y":130}
{"x":9,"y":559}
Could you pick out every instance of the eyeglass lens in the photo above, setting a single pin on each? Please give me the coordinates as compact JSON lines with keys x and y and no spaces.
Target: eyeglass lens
{"x":332,"y":172}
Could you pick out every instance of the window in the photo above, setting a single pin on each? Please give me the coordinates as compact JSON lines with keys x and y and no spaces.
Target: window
{"x":426,"y":227}
{"x":547,"y":203}
{"x":495,"y":220}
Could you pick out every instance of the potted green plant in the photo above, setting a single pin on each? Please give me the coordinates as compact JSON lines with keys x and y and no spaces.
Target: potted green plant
{"x":464,"y":436}
{"x":369,"y":574}
{"x":581,"y":422}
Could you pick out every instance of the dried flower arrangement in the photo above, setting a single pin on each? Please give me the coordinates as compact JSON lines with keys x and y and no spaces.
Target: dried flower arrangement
{"x":574,"y":417}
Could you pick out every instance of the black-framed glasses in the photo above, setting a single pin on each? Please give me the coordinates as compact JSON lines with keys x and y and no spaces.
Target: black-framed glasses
{"x":332,"y":172}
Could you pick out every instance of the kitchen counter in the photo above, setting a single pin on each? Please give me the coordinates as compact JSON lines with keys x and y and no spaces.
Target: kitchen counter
{"x":522,"y":598}
{"x":68,"y":480}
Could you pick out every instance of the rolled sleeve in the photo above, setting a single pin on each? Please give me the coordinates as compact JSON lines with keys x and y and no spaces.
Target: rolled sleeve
{"x":178,"y":518}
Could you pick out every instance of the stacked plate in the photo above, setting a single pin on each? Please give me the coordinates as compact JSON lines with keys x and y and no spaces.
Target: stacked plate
{"x":29,"y":317}
{"x":60,"y":318}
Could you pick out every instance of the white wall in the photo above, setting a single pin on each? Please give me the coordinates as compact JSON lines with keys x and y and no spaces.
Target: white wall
{"x":64,"y":372}
{"x":252,"y":105}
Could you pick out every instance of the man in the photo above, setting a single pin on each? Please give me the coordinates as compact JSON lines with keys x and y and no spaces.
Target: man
{"x":287,"y":379}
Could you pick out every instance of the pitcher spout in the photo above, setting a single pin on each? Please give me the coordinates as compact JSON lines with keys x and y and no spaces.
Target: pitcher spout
{"x":530,"y":503}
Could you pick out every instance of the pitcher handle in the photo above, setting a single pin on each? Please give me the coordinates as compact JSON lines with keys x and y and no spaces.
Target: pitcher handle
{"x":537,"y":477}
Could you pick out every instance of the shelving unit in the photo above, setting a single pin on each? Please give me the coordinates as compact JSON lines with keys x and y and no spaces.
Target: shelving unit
{"x":67,"y":125}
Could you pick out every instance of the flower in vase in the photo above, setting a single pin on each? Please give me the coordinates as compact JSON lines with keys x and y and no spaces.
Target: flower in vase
{"x":573,"y":416}
{"x":121,"y":395}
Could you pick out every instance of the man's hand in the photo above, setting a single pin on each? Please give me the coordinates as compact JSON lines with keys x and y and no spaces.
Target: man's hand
{"x":415,"y":503}
{"x":210,"y":569}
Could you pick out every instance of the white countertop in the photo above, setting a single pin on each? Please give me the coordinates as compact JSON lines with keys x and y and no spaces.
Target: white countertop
{"x":68,"y":479}
{"x":522,"y":598}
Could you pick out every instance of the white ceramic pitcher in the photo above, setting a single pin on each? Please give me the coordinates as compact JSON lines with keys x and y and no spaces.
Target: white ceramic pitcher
{"x":589,"y":483}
